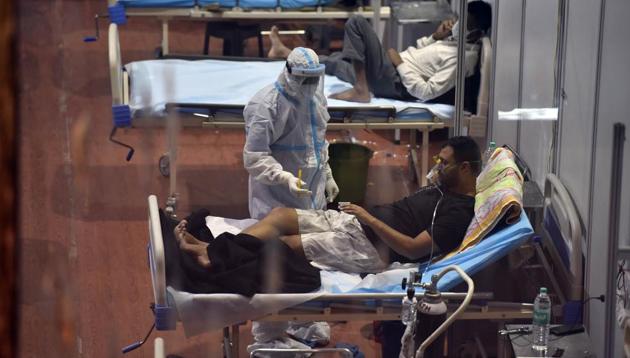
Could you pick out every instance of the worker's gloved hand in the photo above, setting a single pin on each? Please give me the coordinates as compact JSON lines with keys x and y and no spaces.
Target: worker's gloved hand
{"x":297,"y":186}
{"x":332,"y":190}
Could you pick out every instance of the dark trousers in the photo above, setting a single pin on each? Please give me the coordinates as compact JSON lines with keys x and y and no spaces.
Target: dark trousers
{"x":361,"y":44}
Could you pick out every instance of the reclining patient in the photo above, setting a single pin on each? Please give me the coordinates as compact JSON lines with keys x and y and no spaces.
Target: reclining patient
{"x":432,"y":220}
{"x":424,"y":72}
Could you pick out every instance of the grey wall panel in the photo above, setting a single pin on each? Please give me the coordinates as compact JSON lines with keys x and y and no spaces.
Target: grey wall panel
{"x":579,"y":87}
{"x":613,"y":99}
{"x":507,"y":49}
{"x":540,"y":34}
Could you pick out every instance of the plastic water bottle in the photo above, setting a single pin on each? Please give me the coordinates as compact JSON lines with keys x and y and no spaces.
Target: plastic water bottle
{"x":408,"y":310}
{"x":488,"y":153}
{"x":540,"y":324}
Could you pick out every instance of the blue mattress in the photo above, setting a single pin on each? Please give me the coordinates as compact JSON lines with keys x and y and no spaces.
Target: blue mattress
{"x":157,"y":3}
{"x":489,"y":250}
{"x":260,"y":4}
{"x":157,"y":82}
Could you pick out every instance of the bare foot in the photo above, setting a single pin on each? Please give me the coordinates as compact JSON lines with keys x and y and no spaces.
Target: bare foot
{"x":352,"y":95}
{"x":278,"y":49}
{"x":198,"y":252}
{"x":192,"y":246}
{"x":179,"y":231}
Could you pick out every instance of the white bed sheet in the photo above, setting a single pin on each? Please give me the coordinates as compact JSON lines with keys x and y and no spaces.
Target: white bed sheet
{"x":202,"y":312}
{"x":157,"y":82}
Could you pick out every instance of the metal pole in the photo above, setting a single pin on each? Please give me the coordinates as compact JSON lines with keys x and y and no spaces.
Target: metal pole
{"x":461,"y":68}
{"x":520,"y":72}
{"x":165,"y":49}
{"x":376,"y":18}
{"x":491,"y":109}
{"x":591,"y":190}
{"x":558,"y":88}
{"x":619,"y":138}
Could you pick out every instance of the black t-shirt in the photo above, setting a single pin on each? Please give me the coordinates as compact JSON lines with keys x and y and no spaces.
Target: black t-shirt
{"x":413,"y":214}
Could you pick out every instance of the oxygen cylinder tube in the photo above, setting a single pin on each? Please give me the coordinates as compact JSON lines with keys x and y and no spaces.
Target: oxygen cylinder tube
{"x":435,"y":304}
{"x":430,"y":314}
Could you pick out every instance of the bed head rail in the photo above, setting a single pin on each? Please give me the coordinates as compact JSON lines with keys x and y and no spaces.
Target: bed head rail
{"x":156,"y":253}
{"x":165,"y":315}
{"x":115,"y":65}
{"x":563,"y":228}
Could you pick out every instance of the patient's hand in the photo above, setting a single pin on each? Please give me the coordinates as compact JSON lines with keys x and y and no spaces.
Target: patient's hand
{"x":444,"y":30}
{"x":358,"y":212}
{"x":394,"y":56}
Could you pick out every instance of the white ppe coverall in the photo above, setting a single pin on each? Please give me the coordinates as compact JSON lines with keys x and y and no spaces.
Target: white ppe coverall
{"x":285,"y":126}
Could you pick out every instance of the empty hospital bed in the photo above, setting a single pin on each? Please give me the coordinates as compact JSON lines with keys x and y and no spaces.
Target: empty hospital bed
{"x":232,"y":10}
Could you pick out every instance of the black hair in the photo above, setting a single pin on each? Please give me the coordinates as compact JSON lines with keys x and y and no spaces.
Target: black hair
{"x":482,"y":13}
{"x":465,"y":149}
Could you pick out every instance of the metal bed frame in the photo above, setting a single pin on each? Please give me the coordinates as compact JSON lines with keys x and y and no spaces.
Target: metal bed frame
{"x":117,"y":14}
{"x":331,"y":307}
{"x":228,"y":116}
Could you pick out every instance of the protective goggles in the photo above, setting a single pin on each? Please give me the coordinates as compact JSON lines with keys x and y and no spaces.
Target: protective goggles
{"x":316,"y":71}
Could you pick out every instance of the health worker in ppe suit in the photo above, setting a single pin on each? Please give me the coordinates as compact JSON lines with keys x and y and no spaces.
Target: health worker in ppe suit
{"x":286,"y":155}
{"x":286,"y":152}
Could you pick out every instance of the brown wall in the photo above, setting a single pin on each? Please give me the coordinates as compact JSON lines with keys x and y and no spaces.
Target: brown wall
{"x":8,"y":272}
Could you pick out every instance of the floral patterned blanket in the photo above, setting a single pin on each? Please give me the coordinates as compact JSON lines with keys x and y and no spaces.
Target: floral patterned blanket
{"x":499,"y":198}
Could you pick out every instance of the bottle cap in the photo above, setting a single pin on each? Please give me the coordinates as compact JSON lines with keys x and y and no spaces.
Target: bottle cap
{"x":543,"y":290}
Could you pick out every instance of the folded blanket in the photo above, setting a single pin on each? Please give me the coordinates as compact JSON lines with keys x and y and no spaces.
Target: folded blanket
{"x":499,"y":198}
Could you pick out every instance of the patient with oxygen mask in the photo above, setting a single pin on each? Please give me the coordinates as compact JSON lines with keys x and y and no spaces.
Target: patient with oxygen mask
{"x":427,"y":223}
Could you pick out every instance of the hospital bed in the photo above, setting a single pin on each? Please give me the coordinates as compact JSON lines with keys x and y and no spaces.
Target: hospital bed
{"x":193,"y":93}
{"x":231,"y":10}
{"x":342,"y":297}
{"x":561,"y":250}
{"x":347,"y":297}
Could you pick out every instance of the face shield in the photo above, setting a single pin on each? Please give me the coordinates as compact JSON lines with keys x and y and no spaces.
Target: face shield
{"x":305,"y":71}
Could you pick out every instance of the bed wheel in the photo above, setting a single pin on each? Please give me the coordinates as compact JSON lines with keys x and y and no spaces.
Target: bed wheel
{"x":165,"y":165}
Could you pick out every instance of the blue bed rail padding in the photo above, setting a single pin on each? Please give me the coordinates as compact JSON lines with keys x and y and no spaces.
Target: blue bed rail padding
{"x":117,"y":14}
{"x":572,"y":312}
{"x":253,"y":4}
{"x":165,"y":318}
{"x":550,"y":223}
{"x":157,"y":3}
{"x":121,"y":114}
{"x":266,"y":4}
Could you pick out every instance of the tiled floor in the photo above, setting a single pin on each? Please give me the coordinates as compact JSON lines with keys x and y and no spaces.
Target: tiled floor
{"x":84,"y":278}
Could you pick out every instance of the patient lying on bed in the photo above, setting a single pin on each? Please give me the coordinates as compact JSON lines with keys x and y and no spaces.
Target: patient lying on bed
{"x":357,"y":240}
{"x":425,"y":72}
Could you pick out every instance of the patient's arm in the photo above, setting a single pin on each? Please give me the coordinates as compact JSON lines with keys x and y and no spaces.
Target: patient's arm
{"x":412,"y":248}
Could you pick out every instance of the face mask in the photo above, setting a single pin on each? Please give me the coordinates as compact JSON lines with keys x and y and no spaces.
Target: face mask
{"x":434,"y":175}
{"x":455,"y":30}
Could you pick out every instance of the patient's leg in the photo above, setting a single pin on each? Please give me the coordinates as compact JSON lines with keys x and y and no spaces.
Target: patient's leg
{"x":360,"y":92}
{"x":278,"y":223}
{"x":278,"y":49}
{"x":191,"y":245}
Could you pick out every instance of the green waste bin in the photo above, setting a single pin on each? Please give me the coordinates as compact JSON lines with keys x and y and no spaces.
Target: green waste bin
{"x":349,"y":163}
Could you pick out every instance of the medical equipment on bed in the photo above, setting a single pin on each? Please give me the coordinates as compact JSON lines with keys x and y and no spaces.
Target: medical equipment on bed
{"x":343,"y":296}
{"x":430,"y":320}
